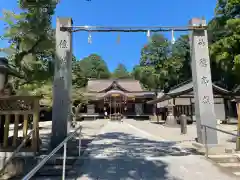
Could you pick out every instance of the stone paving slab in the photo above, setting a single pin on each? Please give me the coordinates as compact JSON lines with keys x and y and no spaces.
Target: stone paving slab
{"x":174,"y":134}
{"x":124,"y":152}
{"x":89,"y":130}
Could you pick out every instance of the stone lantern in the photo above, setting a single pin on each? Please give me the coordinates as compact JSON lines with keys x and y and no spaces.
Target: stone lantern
{"x":171,"y":121}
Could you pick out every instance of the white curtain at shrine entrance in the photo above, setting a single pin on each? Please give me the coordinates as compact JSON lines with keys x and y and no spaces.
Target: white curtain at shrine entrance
{"x":139,"y":109}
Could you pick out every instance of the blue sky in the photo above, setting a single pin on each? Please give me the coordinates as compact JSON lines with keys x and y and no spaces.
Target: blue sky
{"x":120,"y":13}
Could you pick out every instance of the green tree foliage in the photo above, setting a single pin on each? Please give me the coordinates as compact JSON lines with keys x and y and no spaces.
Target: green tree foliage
{"x":78,"y":96}
{"x":224,"y":32}
{"x":181,"y":51}
{"x":94,"y":67}
{"x":157,"y":69}
{"x":79,"y":79}
{"x":43,"y":88}
{"x":31,"y":40}
{"x":146,"y":75}
{"x":89,"y":67}
{"x":121,"y":72}
{"x":31,"y":47}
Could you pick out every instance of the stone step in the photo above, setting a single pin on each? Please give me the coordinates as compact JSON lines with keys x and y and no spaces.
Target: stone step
{"x":237,"y":173}
{"x":53,"y":167}
{"x":73,"y":145}
{"x":53,"y":178}
{"x":230,"y":162}
{"x":234,"y":168}
{"x":54,"y":170}
{"x":230,"y":165}
{"x":52,"y":174}
{"x":55,"y":160}
{"x":48,"y":172}
{"x":68,"y":147}
{"x":70,"y":152}
{"x":224,"y":158}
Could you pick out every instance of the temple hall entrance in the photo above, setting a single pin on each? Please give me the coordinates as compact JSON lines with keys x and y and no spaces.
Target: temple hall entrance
{"x":115,"y":103}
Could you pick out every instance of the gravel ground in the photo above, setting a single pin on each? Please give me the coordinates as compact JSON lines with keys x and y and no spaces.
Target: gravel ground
{"x":125,"y":151}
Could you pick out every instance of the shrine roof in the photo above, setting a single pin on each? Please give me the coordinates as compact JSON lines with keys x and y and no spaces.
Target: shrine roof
{"x":98,"y":96}
{"x":99,"y":85}
{"x":185,"y":88}
{"x":237,"y":89}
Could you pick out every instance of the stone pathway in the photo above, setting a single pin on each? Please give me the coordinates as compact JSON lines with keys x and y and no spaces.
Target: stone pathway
{"x":186,"y":140}
{"x":227,"y":162}
{"x":125,"y":152}
{"x":89,"y":130}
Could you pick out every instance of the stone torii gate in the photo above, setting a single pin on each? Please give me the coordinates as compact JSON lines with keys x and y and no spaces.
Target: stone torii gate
{"x":201,"y":73}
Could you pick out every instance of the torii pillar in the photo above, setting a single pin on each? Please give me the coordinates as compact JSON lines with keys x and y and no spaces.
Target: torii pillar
{"x":202,"y":83}
{"x":62,"y":85}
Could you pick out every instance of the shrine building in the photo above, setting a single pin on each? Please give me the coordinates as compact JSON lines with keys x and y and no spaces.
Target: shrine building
{"x":117,"y":96}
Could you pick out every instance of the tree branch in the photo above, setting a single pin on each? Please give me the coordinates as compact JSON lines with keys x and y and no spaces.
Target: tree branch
{"x":20,"y":56}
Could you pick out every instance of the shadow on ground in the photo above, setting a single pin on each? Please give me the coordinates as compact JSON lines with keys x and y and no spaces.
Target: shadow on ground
{"x":113,"y":156}
{"x":160,"y":122}
{"x":232,"y":139}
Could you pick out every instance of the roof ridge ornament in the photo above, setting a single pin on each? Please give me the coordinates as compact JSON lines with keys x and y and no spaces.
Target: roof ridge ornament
{"x":114,"y":85}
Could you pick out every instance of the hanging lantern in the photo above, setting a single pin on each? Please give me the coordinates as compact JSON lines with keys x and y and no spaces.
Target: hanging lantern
{"x":89,"y":38}
{"x":173,"y":38}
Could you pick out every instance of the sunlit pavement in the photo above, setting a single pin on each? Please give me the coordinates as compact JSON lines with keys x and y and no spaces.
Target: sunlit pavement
{"x":122,"y":151}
